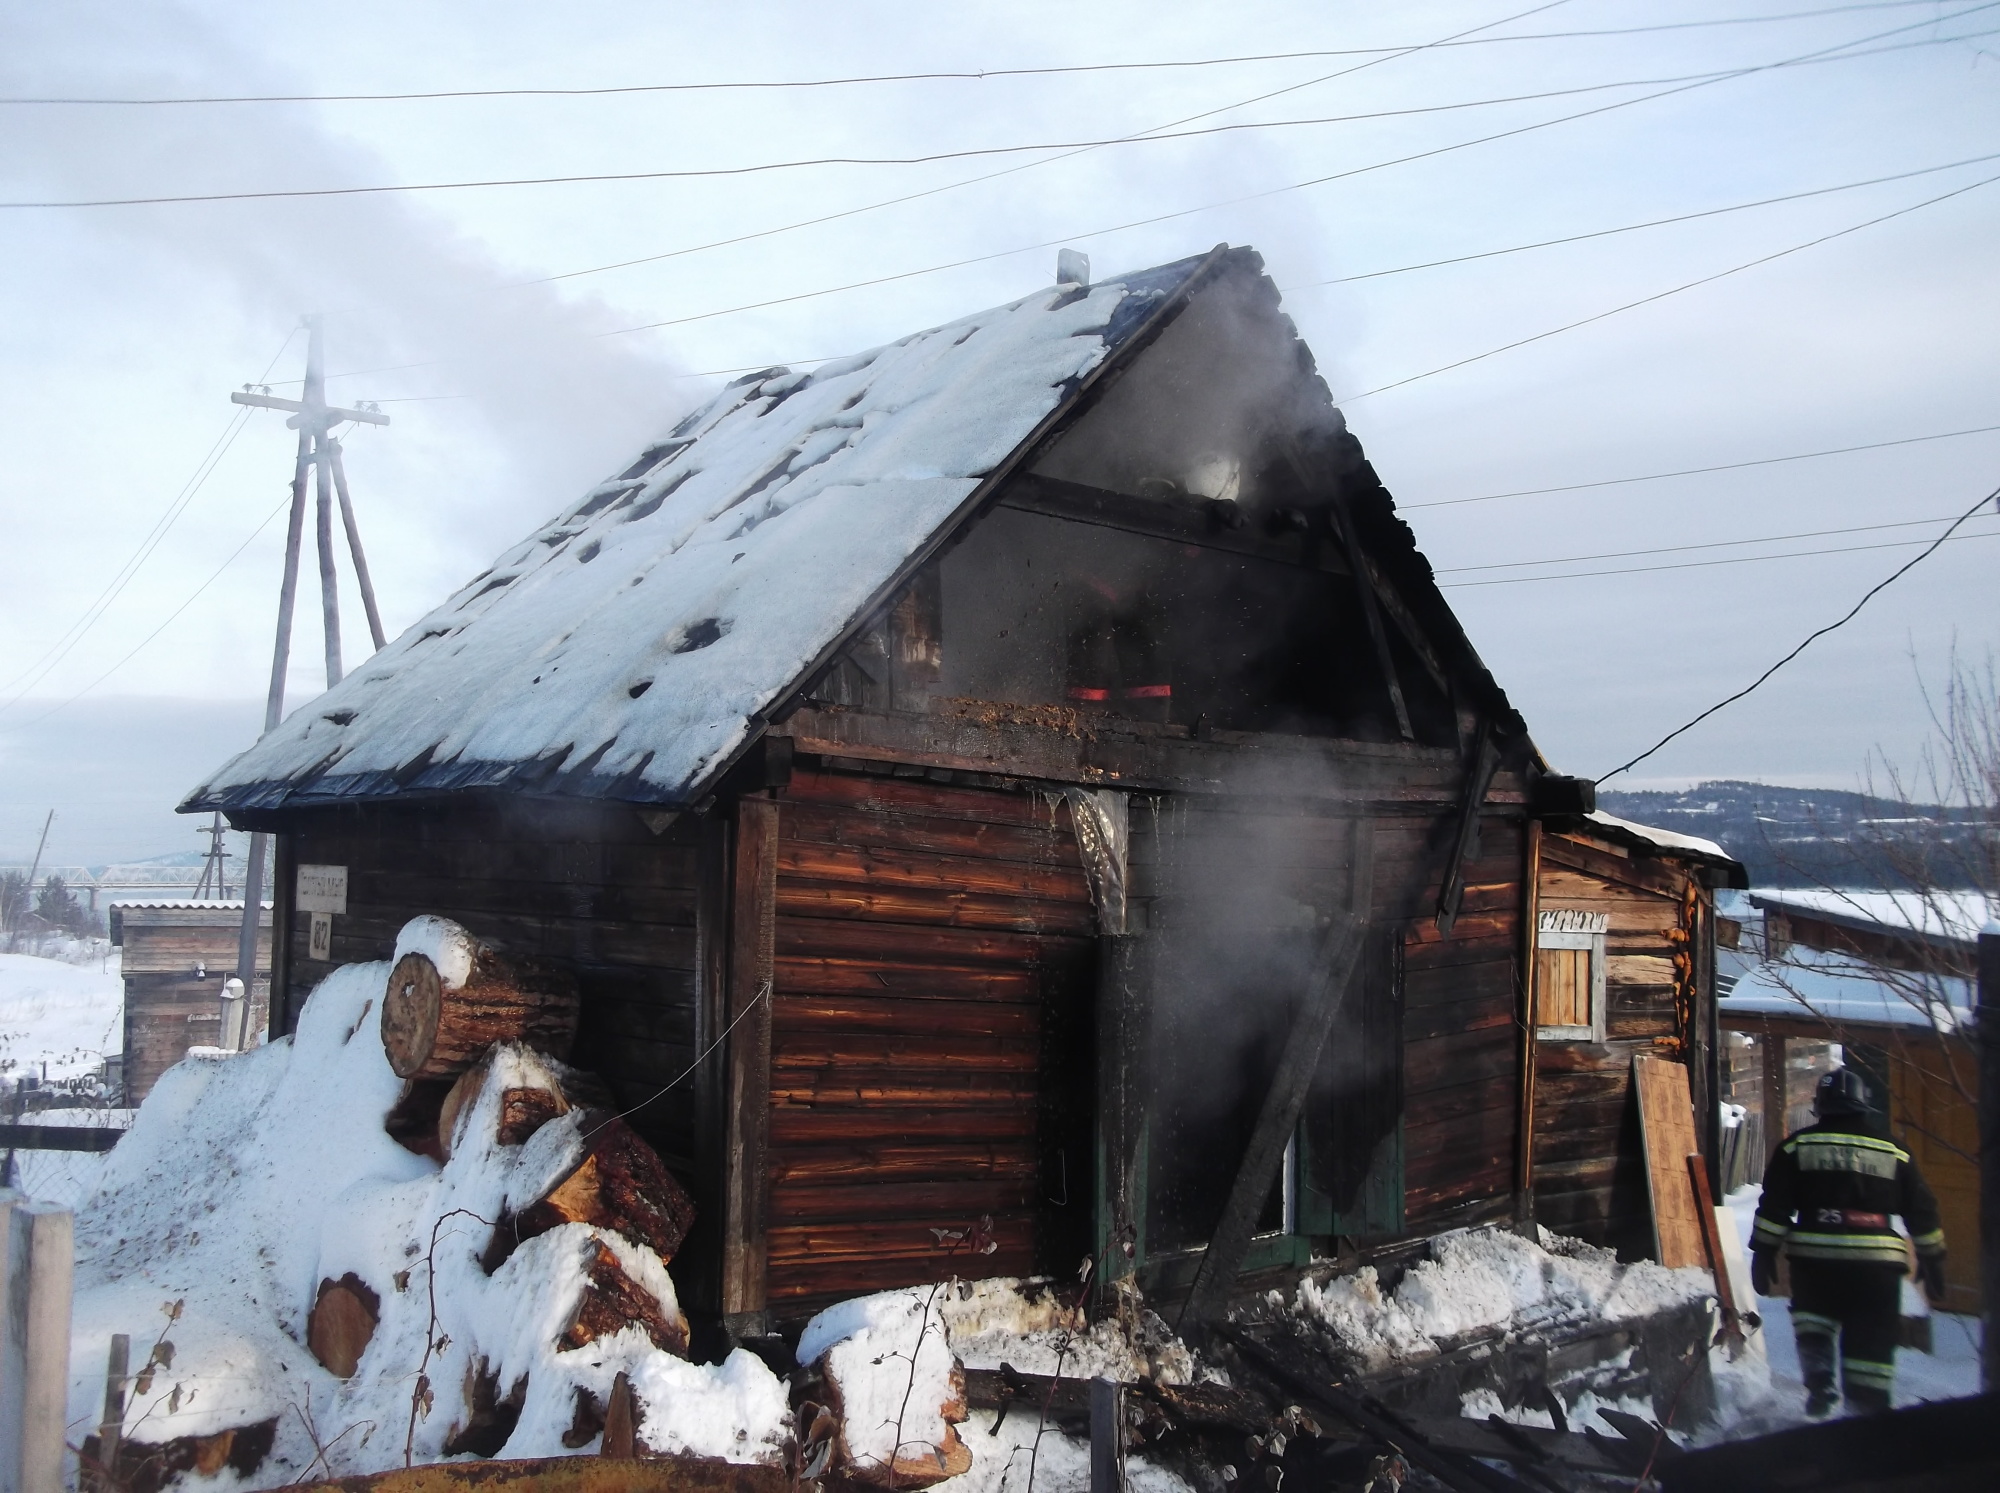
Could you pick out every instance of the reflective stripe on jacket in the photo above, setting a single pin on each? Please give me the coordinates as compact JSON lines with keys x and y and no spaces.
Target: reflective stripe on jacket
{"x":1830,"y":1192}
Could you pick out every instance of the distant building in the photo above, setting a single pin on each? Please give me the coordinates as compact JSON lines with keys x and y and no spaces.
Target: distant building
{"x":1882,"y":982}
{"x":177,"y":953}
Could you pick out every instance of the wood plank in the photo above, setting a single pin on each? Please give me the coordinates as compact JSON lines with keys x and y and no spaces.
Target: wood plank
{"x":883,"y":867}
{"x":795,"y":1057}
{"x":801,"y":977}
{"x":1036,"y":845}
{"x":797,"y":1017}
{"x":870,"y":1198}
{"x":753,"y":922}
{"x":889,"y":1160}
{"x":877,"y":793}
{"x":888,"y":1086}
{"x":795,"y":1125}
{"x":801,"y":897}
{"x":1666,"y":1122}
{"x":902,"y":944}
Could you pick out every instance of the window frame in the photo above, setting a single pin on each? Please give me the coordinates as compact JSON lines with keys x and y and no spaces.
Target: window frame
{"x":1574,"y":928}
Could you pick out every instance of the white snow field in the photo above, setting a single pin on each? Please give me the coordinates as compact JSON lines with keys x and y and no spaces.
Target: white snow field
{"x":59,"y":1013}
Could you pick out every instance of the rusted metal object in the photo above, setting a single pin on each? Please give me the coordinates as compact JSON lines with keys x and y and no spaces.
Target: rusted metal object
{"x":570,"y":1475}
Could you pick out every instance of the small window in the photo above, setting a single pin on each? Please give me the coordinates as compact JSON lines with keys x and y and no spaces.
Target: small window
{"x":1569,"y":975}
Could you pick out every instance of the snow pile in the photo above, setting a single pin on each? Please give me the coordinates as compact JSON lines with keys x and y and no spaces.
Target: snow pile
{"x":250,"y":1179}
{"x":61,"y":1013}
{"x":1030,"y":1328}
{"x":1482,"y":1279}
{"x":896,"y":1359}
{"x":450,"y":949}
{"x":893,"y":1383}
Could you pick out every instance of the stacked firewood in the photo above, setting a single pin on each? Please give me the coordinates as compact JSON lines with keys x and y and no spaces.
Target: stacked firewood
{"x":462,"y":1022}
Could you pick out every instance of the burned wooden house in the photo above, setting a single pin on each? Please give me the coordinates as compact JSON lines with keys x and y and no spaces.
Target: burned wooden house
{"x":967,"y":780}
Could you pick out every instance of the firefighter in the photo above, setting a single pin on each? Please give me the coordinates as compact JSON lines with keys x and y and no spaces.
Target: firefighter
{"x":1828,"y":1195}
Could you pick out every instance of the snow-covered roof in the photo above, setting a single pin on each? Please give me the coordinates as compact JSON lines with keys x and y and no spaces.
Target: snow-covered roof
{"x":1645,"y":836}
{"x":182,"y":904}
{"x":1840,"y":988}
{"x":1953,"y":917}
{"x":632,"y":647}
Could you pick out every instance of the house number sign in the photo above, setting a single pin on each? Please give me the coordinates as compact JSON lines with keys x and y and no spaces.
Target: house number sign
{"x":321,"y":892}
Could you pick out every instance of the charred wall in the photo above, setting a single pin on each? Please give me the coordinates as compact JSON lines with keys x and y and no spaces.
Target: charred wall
{"x":585,"y":885}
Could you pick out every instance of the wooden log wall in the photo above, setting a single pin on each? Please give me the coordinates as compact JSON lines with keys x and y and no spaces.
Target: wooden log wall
{"x":1590,"y":1176}
{"x":586,"y":885}
{"x":1461,"y":1014}
{"x":930,"y":1042}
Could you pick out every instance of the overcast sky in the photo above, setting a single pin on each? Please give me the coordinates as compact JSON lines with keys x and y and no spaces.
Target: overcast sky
{"x":122,"y":329}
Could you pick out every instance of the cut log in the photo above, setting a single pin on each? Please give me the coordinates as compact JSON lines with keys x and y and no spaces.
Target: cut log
{"x":341,"y":1323}
{"x":145,"y":1467}
{"x":524,"y":1106}
{"x":434,"y":1028}
{"x":619,"y":1185}
{"x":613,"y":1300}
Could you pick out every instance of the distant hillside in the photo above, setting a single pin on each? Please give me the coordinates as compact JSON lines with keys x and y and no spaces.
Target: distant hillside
{"x":1802,"y":836}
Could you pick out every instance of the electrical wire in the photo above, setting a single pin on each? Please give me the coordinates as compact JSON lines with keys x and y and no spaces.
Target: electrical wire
{"x":928,"y":158}
{"x":283,"y":504}
{"x":1727,"y":466}
{"x":898,"y":201}
{"x":1662,"y":295}
{"x":73,"y":634}
{"x":853,"y":212}
{"x":976,"y":75}
{"x":1073,"y":238}
{"x":1578,"y":238}
{"x":1712,"y":544}
{"x":1853,"y":612}
{"x":1575,"y":575}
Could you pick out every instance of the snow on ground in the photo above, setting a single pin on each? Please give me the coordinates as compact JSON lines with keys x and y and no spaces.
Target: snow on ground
{"x":248,"y":1178}
{"x":59,"y":1012}
{"x":1482,"y":1278}
{"x":893,"y":1357}
{"x":1950,"y":1370}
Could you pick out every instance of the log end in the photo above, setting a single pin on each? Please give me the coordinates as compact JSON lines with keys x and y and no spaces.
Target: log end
{"x":410,"y":1010}
{"x":341,"y":1323}
{"x":612,"y":1300}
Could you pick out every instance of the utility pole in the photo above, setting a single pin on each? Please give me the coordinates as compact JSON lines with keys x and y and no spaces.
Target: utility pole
{"x":214,"y":880}
{"x":319,"y":457}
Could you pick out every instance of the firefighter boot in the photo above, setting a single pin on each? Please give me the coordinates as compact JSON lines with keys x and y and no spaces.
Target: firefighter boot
{"x":1869,"y":1385}
{"x":1818,"y":1355}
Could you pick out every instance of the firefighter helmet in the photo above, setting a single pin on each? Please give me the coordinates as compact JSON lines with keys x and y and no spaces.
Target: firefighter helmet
{"x":1841,"y":1092}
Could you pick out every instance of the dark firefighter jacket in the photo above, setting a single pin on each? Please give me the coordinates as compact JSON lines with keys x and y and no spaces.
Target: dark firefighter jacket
{"x":1829,"y":1193}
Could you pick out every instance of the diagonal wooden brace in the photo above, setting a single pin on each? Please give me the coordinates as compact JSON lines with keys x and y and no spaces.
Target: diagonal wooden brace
{"x":1335,"y":975}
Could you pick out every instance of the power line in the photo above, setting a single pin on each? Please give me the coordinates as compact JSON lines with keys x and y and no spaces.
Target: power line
{"x":974,"y":75}
{"x":1727,"y":466}
{"x":1578,"y":238}
{"x":927,"y":158}
{"x":115,"y":587}
{"x":1168,"y":217}
{"x":283,"y":504}
{"x":1578,"y":575}
{"x":1662,"y":295}
{"x":1810,"y":638}
{"x":1712,"y":544}
{"x":853,"y":212}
